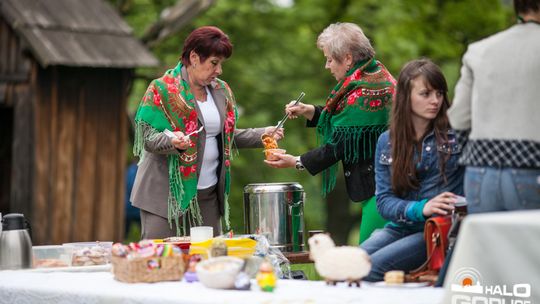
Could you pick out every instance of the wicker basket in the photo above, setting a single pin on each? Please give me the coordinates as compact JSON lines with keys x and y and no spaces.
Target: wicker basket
{"x":137,"y":270}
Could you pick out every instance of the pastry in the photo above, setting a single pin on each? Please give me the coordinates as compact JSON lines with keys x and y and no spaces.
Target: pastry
{"x":87,"y":256}
{"x":394,"y":277}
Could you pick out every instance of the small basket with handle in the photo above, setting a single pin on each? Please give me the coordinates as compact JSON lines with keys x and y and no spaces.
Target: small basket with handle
{"x":148,"y":269}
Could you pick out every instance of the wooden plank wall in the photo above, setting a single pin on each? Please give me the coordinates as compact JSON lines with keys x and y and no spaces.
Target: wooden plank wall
{"x":87,"y":148}
{"x":81,"y":132}
{"x":46,"y":87}
{"x":16,"y":102}
{"x":66,"y":168}
{"x":22,"y":148}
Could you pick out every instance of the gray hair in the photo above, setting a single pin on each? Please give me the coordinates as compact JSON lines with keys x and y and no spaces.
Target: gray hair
{"x":341,"y":38}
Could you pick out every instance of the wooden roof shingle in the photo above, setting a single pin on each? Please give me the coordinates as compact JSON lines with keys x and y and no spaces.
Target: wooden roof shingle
{"x":80,"y":33}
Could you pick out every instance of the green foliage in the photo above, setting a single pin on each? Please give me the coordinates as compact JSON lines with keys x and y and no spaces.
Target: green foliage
{"x":275,"y":58}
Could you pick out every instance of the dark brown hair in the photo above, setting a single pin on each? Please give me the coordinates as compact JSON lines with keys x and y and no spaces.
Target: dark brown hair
{"x":525,"y":6}
{"x":402,"y":134}
{"x":206,"y":41}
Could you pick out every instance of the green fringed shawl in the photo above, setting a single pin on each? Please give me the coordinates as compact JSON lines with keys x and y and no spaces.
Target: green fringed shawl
{"x":356,"y":113}
{"x":169,"y":104}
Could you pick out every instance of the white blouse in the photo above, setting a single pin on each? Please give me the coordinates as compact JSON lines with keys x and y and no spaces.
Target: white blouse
{"x":212,"y":125}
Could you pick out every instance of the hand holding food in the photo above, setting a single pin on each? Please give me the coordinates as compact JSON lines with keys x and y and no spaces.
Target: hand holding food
{"x":281,"y":160}
{"x":270,"y":147}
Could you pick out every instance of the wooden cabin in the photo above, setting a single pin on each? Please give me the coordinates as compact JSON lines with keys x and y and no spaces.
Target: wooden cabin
{"x":66,"y":69}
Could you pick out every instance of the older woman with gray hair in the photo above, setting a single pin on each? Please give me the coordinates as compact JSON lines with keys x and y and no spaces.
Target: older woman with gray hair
{"x":355,"y":113}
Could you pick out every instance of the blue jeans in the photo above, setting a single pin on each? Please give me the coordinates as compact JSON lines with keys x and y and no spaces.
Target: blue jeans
{"x":492,"y":189}
{"x":394,"y":249}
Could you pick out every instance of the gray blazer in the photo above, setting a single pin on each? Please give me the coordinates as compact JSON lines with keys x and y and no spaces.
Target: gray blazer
{"x":151,"y":188}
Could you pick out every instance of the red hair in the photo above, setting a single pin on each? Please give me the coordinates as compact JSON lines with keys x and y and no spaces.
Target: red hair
{"x":206,"y":41}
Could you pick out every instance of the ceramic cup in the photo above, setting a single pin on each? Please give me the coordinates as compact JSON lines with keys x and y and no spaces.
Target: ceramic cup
{"x":201,"y":233}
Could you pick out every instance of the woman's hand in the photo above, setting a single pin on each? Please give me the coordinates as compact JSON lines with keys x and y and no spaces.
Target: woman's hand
{"x":441,"y":204}
{"x":181,"y":141}
{"x":280,"y":133}
{"x":303,"y":109}
{"x":284,"y":161}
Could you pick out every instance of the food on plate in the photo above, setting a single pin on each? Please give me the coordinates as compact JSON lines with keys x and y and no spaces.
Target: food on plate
{"x":49,"y":263}
{"x":394,"y":277}
{"x":89,"y":256}
{"x":50,"y":256}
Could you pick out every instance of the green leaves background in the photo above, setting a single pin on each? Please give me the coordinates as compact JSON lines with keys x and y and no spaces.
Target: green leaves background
{"x":275,"y":58}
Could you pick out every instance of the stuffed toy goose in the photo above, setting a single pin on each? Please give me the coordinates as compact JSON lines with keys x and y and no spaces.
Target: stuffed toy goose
{"x":337,"y":264}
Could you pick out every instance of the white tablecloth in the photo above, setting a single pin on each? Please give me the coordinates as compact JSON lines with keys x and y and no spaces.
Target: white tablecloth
{"x":100,"y":287}
{"x":497,"y":253}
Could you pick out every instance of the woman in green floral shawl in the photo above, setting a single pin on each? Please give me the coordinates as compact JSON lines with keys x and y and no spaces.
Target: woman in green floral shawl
{"x":185,"y":131}
{"x":355,"y":114}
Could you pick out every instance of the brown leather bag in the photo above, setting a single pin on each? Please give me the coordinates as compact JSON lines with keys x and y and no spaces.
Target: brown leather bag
{"x":436,"y":236}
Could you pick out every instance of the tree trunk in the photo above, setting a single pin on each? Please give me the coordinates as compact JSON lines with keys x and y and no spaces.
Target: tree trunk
{"x":172,"y":19}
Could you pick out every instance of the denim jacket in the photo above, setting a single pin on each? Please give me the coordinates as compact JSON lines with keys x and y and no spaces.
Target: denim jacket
{"x":400,"y":210}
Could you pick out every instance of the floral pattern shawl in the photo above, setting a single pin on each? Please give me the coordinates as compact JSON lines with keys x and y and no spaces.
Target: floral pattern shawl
{"x":356,"y":113}
{"x":169,"y":104}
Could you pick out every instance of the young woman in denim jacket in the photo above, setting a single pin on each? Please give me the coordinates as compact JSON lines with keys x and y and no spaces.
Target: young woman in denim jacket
{"x":416,"y":171}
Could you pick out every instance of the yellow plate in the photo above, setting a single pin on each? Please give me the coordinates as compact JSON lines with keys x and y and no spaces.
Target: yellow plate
{"x":241,"y":247}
